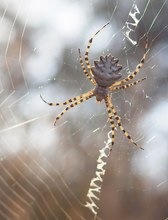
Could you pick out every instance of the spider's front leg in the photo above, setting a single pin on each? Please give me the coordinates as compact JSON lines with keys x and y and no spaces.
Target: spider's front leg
{"x":108,"y":100}
{"x":110,"y":114}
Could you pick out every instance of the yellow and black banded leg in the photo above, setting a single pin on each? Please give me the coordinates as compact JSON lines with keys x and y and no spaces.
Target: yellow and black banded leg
{"x":84,"y":69}
{"x":132,"y":75}
{"x":71,"y":106}
{"x":88,"y":47}
{"x":119,"y":123}
{"x":69,"y":100}
{"x":128,"y":85}
{"x":110,"y":114}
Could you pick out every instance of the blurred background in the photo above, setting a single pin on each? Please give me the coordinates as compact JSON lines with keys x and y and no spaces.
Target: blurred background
{"x":45,"y":170}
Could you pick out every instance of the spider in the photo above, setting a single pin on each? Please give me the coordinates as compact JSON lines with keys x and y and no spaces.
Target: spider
{"x":104,"y":75}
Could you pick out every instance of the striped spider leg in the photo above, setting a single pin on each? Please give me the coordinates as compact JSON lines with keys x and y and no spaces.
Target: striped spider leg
{"x":127,"y":85}
{"x":104,"y":75}
{"x":90,"y":74}
{"x":110,"y":116}
{"x":111,"y":110}
{"x":137,"y":69}
{"x":74,"y":101}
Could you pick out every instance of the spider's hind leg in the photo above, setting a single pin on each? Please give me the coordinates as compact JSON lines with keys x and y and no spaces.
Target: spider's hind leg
{"x":88,"y":48}
{"x":138,"y":67}
{"x":84,"y":69}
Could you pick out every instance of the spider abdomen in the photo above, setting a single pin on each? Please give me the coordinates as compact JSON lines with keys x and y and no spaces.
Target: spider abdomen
{"x":106,"y":70}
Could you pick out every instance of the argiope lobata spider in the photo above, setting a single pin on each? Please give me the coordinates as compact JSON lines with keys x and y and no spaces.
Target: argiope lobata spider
{"x":104,"y":75}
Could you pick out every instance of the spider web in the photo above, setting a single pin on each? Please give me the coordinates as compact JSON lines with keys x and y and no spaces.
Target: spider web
{"x":48,"y":172}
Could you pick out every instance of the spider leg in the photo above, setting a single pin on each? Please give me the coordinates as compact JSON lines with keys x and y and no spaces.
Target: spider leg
{"x":119,"y":122}
{"x":128,"y":85}
{"x":83,"y":98}
{"x":110,"y":114}
{"x":67,"y":101}
{"x":132,"y":75}
{"x":88,"y":47}
{"x":84,"y":69}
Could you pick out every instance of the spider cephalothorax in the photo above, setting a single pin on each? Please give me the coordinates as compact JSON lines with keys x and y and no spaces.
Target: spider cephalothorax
{"x":106,"y":70}
{"x":104,"y":76}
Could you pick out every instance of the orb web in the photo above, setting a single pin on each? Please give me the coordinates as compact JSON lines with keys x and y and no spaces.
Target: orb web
{"x":66,"y":172}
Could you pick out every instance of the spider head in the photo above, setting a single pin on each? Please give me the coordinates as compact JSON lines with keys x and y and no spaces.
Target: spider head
{"x":106,"y":70}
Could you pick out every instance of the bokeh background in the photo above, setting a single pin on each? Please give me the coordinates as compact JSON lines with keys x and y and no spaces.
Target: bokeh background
{"x":45,"y":171}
